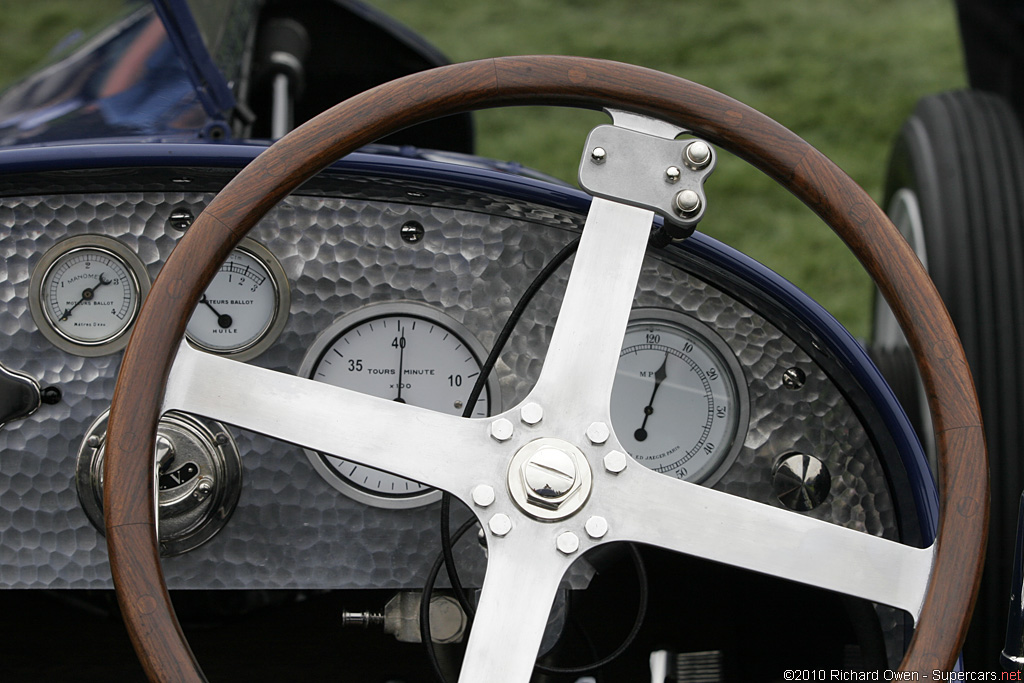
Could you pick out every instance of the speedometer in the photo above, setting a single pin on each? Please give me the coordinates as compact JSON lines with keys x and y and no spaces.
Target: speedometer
{"x":679,"y":402}
{"x":408,"y":353}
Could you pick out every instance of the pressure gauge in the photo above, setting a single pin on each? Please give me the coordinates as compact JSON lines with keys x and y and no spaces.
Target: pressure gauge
{"x":85,"y":294}
{"x":679,"y":402}
{"x":408,"y":353}
{"x":245,"y":307}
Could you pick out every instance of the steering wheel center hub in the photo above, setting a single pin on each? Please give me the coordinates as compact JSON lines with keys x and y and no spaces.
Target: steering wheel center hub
{"x":549,"y":479}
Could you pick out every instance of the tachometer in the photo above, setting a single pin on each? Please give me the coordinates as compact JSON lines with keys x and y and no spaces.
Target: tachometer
{"x":405,"y":352}
{"x":679,"y":403}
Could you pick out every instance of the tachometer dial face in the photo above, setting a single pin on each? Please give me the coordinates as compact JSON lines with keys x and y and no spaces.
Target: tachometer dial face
{"x":245,"y":307}
{"x":679,"y":403}
{"x":405,"y":352}
{"x":86,"y":293}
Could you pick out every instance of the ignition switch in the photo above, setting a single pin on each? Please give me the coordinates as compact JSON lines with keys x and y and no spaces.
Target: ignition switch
{"x":199,"y":479}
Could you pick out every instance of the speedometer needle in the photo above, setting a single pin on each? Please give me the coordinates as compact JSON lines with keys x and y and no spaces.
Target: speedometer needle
{"x":86,"y":296}
{"x":223,"y":319}
{"x":659,"y":376}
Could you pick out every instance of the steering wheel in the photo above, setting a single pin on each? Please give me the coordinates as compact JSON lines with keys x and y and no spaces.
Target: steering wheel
{"x":568,"y":408}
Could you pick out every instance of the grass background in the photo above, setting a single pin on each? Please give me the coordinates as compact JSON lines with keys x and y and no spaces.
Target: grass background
{"x":843,"y":74}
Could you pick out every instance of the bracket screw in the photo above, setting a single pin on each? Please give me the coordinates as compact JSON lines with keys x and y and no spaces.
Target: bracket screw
{"x":483,"y":495}
{"x":531,"y":413}
{"x":697,"y":155}
{"x":598,"y":433}
{"x":567,"y":542}
{"x":500,"y":524}
{"x":688,"y":202}
{"x":599,"y":155}
{"x":615,"y":462}
{"x":501,"y":429}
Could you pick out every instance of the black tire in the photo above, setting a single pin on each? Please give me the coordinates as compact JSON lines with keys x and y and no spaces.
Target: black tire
{"x":961,"y":156}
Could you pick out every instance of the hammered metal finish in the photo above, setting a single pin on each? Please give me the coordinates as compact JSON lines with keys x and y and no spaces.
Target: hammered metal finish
{"x":291,"y":529}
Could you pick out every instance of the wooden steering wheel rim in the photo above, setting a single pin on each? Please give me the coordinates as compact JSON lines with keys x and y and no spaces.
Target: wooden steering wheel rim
{"x":560,"y":81}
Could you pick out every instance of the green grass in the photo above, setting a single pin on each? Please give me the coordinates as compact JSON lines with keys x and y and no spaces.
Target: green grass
{"x":843,"y":74}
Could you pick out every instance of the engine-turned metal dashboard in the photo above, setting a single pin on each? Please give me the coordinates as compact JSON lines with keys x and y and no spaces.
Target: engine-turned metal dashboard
{"x":348,"y":241}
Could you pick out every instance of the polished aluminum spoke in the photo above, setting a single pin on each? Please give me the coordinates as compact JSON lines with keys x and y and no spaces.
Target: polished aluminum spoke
{"x":439,"y":450}
{"x":651,"y":508}
{"x":579,"y":368}
{"x":524,"y":570}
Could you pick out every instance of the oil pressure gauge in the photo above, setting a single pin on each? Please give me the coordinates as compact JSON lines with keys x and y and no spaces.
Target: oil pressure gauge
{"x":245,"y":307}
{"x":679,"y":402}
{"x":85,"y":294}
{"x":405,"y":352}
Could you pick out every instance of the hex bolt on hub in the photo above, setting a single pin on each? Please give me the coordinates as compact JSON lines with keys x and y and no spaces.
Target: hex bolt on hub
{"x":531,"y":413}
{"x":483,"y":495}
{"x":501,"y":429}
{"x":567,"y":542}
{"x":596,"y":527}
{"x":500,"y":524}
{"x":598,"y":433}
{"x":615,"y":462}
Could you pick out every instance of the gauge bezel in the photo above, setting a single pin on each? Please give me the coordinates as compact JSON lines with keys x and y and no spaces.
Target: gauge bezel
{"x":376,"y":311}
{"x":139,"y":284}
{"x":282,"y":305}
{"x":734,"y":376}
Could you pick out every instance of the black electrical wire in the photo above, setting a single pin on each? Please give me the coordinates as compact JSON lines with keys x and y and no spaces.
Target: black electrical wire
{"x":478,"y":387}
{"x":428,"y":591}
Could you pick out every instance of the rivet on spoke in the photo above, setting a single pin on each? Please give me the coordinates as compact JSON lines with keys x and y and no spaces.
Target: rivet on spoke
{"x":501,"y":429}
{"x":599,"y":155}
{"x":567,"y":542}
{"x":672,"y":174}
{"x":598,"y":433}
{"x":483,"y":495}
{"x":698,"y":155}
{"x":531,"y":413}
{"x":615,"y":462}
{"x":688,"y":202}
{"x":596,"y":527}
{"x":500,"y":524}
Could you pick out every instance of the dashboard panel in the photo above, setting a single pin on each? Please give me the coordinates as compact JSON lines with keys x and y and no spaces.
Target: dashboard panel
{"x":342,"y":249}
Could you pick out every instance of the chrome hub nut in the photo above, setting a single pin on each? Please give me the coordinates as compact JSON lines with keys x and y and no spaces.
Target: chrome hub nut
{"x":549,"y":479}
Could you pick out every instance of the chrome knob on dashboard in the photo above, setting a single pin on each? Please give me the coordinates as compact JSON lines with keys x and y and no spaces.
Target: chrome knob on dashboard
{"x":199,"y":479}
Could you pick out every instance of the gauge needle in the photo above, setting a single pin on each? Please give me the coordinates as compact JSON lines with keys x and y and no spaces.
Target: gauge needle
{"x":223,"y":319}
{"x":86,"y":296}
{"x":401,"y":362}
{"x":659,"y":376}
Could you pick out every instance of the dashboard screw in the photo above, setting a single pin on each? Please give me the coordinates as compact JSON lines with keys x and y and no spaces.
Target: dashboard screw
{"x":793,"y":378}
{"x":567,"y":542}
{"x":412,"y":232}
{"x":50,"y":395}
{"x":180,"y":219}
{"x":598,"y":433}
{"x":501,"y":429}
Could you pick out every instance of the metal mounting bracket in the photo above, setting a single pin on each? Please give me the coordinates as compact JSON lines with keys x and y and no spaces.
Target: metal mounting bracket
{"x":639,"y":162}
